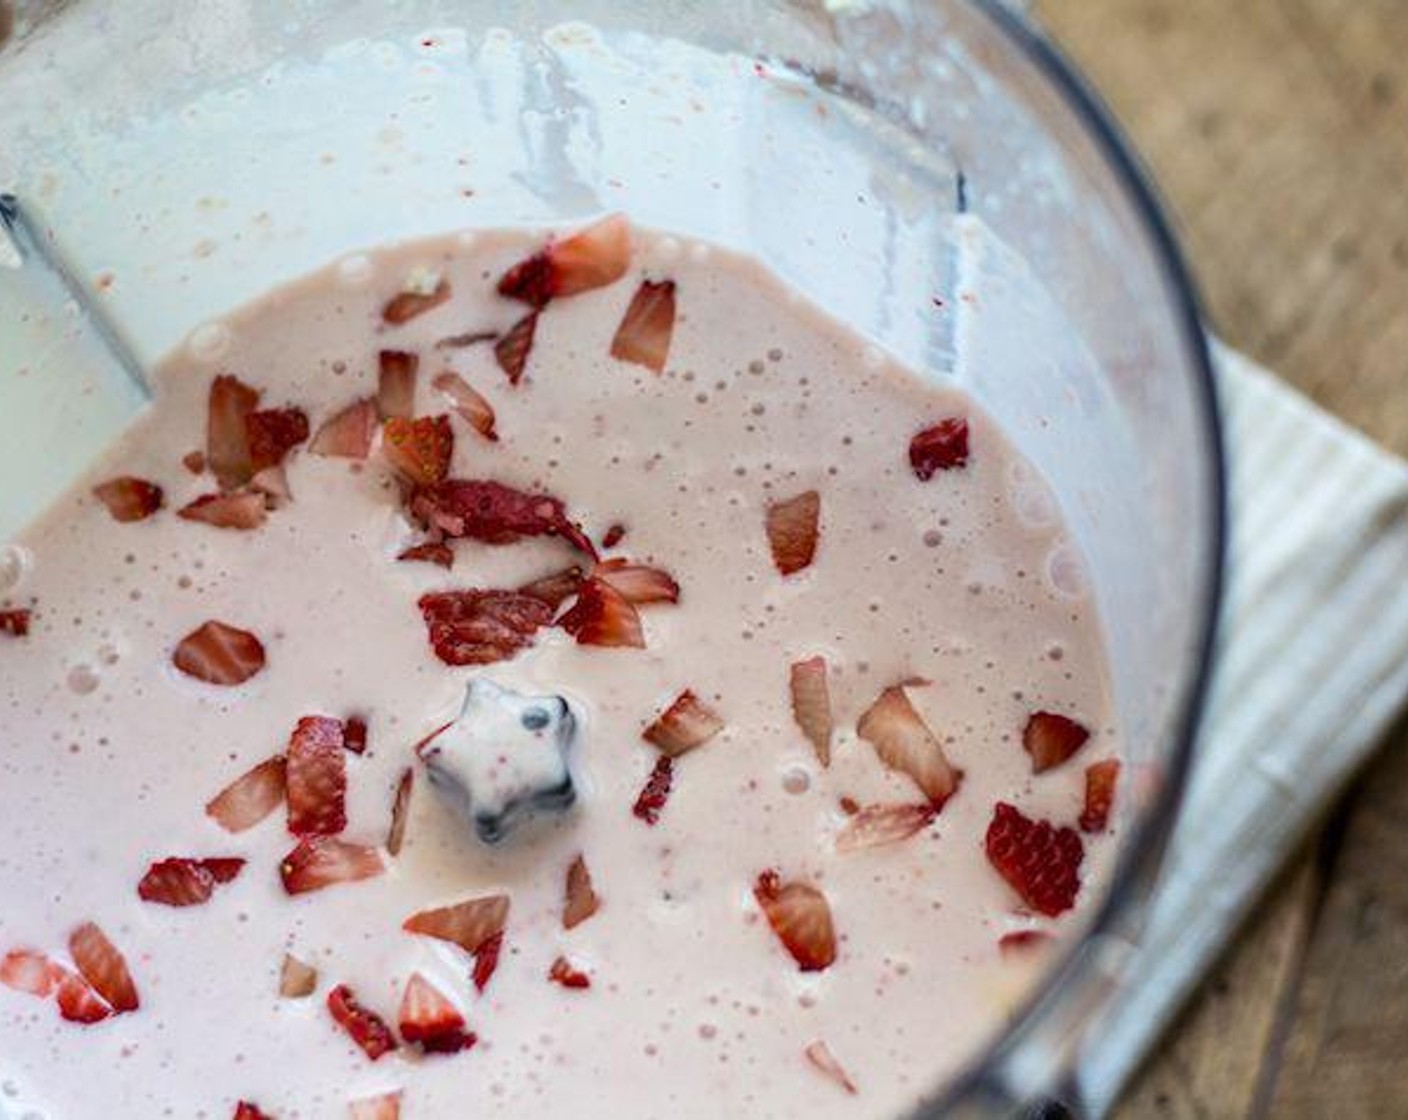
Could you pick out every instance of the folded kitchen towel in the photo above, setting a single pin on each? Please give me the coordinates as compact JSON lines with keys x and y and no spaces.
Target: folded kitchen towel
{"x":1312,"y":670}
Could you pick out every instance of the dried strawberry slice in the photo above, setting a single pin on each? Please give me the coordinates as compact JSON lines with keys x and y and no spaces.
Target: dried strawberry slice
{"x":245,"y":1110}
{"x":384,"y":1106}
{"x":297,"y":980}
{"x":323,"y":861}
{"x":495,"y":513}
{"x":428,"y":1017}
{"x":877,"y":825}
{"x":468,"y":924}
{"x":354,"y":735}
{"x":602,"y":616}
{"x":244,"y":510}
{"x":408,"y":305}
{"x":104,"y":967}
{"x":468,"y":403}
{"x":644,"y":334}
{"x":441,"y":555}
{"x":904,"y":742}
{"x":656,"y":791}
{"x":420,"y":449}
{"x":78,"y":1002}
{"x":249,"y":798}
{"x":820,"y":1056}
{"x":591,"y":258}
{"x":613,"y":536}
{"x":366,"y":1028}
{"x":801,"y":917}
{"x":581,"y":900}
{"x":566,"y":974}
{"x":1051,"y":739}
{"x":685,"y":724}
{"x":486,"y":961}
{"x":555,"y":589}
{"x":29,"y":971}
{"x":793,"y":529}
{"x":272,"y":434}
{"x":400,"y":810}
{"x":512,"y":349}
{"x":179,"y":881}
{"x":316,"y":778}
{"x":475,"y":627}
{"x":349,"y":433}
{"x":811,"y":705}
{"x":219,"y":654}
{"x":639,"y":583}
{"x":1100,"y":781}
{"x":396,"y":384}
{"x":129,"y":499}
{"x":15,"y":622}
{"x":227,"y":451}
{"x":942,"y":447}
{"x":1040,"y":861}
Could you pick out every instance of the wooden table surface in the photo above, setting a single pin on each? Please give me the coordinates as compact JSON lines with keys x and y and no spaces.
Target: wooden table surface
{"x":1278,"y":133}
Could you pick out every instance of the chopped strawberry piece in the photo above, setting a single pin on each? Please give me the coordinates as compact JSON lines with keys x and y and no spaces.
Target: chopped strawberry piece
{"x":474,"y":627}
{"x":591,"y":258}
{"x":400,"y":809}
{"x":219,"y":654}
{"x":656,"y":790}
{"x":354,"y":735}
{"x":849,"y":805}
{"x":366,"y":1028}
{"x":419,"y":449}
{"x":555,"y":589}
{"x":685,"y":724}
{"x":244,"y":510}
{"x":429,"y":1018}
{"x":581,"y":897}
{"x":78,"y":1002}
{"x":1051,"y":739}
{"x":494,"y":513}
{"x":468,"y":924}
{"x":129,"y":499}
{"x":811,"y":705}
{"x":1039,"y":861}
{"x":273,"y":433}
{"x":26,"y":970}
{"x":385,"y":1106}
{"x":801,"y":917}
{"x":486,"y":961}
{"x":942,"y":447}
{"x":244,"y":1110}
{"x":602,"y":616}
{"x":349,"y":433}
{"x":613,"y":535}
{"x":562,"y":972}
{"x":297,"y":980}
{"x":104,"y":967}
{"x":877,"y":825}
{"x":227,"y":451}
{"x":1100,"y":781}
{"x":468,"y":338}
{"x":639,"y":583}
{"x":793,"y":528}
{"x":179,"y":881}
{"x":15,"y":622}
{"x":644,"y":334}
{"x":512,"y":349}
{"x":271,"y":484}
{"x":440,"y":554}
{"x":316,"y":778}
{"x":1022,"y":941}
{"x":323,"y":861}
{"x":194,"y":461}
{"x":820,"y":1056}
{"x":904,"y":742}
{"x":468,"y":403}
{"x":396,"y":384}
{"x":249,"y":798}
{"x":405,"y":306}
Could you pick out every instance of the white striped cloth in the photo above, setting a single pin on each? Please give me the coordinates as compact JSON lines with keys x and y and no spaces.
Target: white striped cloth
{"x":1313,"y":668}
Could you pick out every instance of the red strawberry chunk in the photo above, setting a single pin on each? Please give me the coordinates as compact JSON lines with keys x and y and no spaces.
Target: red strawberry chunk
{"x":272,"y":434}
{"x":555,"y":589}
{"x":227,"y":451}
{"x":1022,"y":941}
{"x":316,"y":778}
{"x":878,"y":825}
{"x":602,"y":616}
{"x":494,"y":513}
{"x":386,"y":1106}
{"x":247,"y":1111}
{"x":194,"y":461}
{"x":429,"y":1018}
{"x":904,"y":742}
{"x":129,"y":499}
{"x":565,"y":973}
{"x":639,"y":583}
{"x":511,"y":351}
{"x":644,"y":334}
{"x":486,"y":960}
{"x":396,"y":384}
{"x":468,"y":403}
{"x":419,"y":449}
{"x":405,"y":306}
{"x":441,"y":555}
{"x":349,"y":433}
{"x":1100,"y":781}
{"x":685,"y":724}
{"x":78,"y":1002}
{"x":475,"y":627}
{"x":224,"y":869}
{"x":530,"y":280}
{"x":1051,"y":739}
{"x":820,"y":1056}
{"x":793,"y":529}
{"x":1039,"y":861}
{"x":581,"y":900}
{"x":811,"y":705}
{"x":297,"y":980}
{"x":244,"y":510}
{"x":613,"y":535}
{"x":366,"y":1028}
{"x":652,"y":797}
{"x":354,"y":735}
{"x":249,"y":798}
{"x":591,"y":258}
{"x":28,"y":971}
{"x":104,"y":967}
{"x":179,"y":881}
{"x":943,"y":447}
{"x":801,"y":917}
{"x":15,"y":622}
{"x":323,"y":861}
{"x":219,"y":654}
{"x":468,"y":924}
{"x":400,"y":810}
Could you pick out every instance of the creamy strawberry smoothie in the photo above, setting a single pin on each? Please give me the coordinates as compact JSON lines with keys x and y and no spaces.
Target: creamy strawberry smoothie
{"x":539,"y":677}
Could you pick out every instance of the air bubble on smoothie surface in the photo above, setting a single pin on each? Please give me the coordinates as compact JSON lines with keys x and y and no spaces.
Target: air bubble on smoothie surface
{"x":1066,"y":572}
{"x":15,"y":563}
